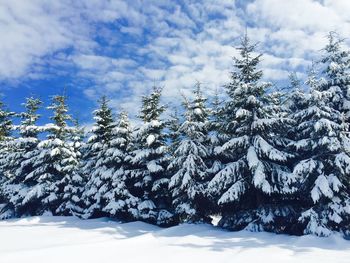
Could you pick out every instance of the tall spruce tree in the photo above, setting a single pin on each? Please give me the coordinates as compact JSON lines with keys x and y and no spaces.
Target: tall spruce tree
{"x":55,"y":160}
{"x":149,"y":162}
{"x":188,"y":168}
{"x":6,"y":139}
{"x":252,"y":187}
{"x":216,"y":135}
{"x":322,"y":146}
{"x":6,"y":127}
{"x":18,"y":161}
{"x":6,"y":124}
{"x":72,"y":203}
{"x":120,"y":203}
{"x":94,"y":162}
{"x":295,"y":99}
{"x":335,"y":64}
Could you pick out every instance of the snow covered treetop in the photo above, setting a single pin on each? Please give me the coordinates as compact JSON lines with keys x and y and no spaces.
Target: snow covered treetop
{"x":151,"y":110}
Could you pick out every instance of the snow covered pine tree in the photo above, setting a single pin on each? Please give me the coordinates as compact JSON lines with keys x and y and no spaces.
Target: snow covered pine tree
{"x":120,"y":203}
{"x":217,"y":137}
{"x":252,"y":188}
{"x":6,"y":143}
{"x":149,"y":162}
{"x":74,"y":181}
{"x":53,"y":163}
{"x":188,"y":168}
{"x":296,"y":97}
{"x":18,"y":160}
{"x":94,"y":163}
{"x":323,"y":146}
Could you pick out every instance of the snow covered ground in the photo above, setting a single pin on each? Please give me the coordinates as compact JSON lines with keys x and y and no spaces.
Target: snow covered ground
{"x":68,"y":239}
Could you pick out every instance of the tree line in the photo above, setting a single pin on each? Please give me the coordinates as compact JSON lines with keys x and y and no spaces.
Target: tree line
{"x":260,"y":158}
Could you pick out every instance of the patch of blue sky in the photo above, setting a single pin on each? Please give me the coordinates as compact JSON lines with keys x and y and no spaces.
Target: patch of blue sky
{"x":121,"y":48}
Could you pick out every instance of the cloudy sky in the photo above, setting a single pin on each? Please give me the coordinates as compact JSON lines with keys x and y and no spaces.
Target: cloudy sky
{"x":122,"y":48}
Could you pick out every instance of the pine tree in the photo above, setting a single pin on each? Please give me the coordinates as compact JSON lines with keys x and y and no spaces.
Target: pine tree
{"x":6,"y":139}
{"x":295,"y":98}
{"x":6,"y":127}
{"x":149,"y":162}
{"x":5,"y":122}
{"x":119,"y":202}
{"x":94,"y":162}
{"x":335,"y":63}
{"x":216,"y":136}
{"x":55,"y":160}
{"x":72,"y":203}
{"x":18,"y":160}
{"x":252,"y":186}
{"x":324,"y":164}
{"x":189,"y":170}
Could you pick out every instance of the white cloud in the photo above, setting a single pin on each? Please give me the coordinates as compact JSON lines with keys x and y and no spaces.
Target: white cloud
{"x":32,"y":30}
{"x":169,"y":44}
{"x":294,"y":14}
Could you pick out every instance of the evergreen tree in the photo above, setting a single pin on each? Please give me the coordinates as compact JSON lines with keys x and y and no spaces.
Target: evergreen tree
{"x":6,"y":127}
{"x":149,"y":162}
{"x":18,"y":160}
{"x":324,"y":164}
{"x":56,"y":160}
{"x":216,"y":136}
{"x":295,"y":98}
{"x":6,"y":139}
{"x":119,"y":202}
{"x":189,"y":171}
{"x":5,"y":123}
{"x":252,"y":186}
{"x":335,"y":78}
{"x":94,"y":162}
{"x":72,"y":203}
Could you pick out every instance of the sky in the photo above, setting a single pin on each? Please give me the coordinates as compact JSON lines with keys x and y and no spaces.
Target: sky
{"x":122,"y":48}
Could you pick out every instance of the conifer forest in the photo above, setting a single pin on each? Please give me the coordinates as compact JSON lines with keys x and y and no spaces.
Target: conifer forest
{"x":259,"y":157}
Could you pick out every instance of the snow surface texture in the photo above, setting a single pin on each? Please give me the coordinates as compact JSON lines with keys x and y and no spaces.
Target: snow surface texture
{"x":68,"y":239}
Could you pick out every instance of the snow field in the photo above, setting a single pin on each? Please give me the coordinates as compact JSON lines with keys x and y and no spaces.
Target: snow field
{"x":68,"y":239}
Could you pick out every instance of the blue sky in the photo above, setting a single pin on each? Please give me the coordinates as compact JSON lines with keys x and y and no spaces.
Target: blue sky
{"x":121,"y":48}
